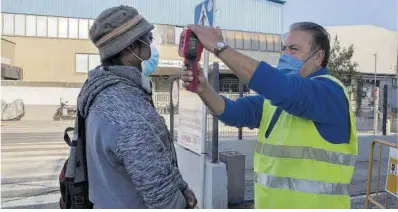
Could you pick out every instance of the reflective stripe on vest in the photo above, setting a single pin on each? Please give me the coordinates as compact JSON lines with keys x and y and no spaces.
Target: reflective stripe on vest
{"x":300,"y":185}
{"x":301,"y":152}
{"x":292,"y":165}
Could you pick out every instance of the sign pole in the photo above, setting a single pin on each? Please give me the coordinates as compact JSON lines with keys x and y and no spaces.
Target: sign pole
{"x":192,"y":112}
{"x":205,"y":5}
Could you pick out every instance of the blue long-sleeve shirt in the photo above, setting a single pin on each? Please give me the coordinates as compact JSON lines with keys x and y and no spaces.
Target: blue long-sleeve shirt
{"x":320,"y":100}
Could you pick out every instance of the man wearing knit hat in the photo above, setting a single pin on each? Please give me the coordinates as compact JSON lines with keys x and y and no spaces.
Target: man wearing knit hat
{"x":131,"y":160}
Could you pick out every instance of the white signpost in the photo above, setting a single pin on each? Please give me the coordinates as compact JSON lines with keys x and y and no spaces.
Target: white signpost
{"x":192,"y":127}
{"x":192,"y":112}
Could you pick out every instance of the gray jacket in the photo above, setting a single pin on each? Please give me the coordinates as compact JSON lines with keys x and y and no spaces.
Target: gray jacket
{"x":130,"y":158}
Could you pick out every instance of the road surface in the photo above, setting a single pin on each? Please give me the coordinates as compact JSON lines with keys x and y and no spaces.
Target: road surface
{"x":33,"y":155}
{"x":30,"y":165}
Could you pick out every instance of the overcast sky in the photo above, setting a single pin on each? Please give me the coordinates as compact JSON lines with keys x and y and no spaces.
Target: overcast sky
{"x":383,"y":13}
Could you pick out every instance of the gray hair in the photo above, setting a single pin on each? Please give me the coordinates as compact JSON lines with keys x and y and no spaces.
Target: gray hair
{"x":320,"y":38}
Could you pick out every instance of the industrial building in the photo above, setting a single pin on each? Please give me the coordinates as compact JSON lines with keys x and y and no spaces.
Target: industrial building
{"x":47,"y":41}
{"x":376,"y":53}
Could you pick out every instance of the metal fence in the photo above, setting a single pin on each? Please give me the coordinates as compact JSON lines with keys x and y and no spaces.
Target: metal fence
{"x":370,"y":115}
{"x":162,"y":100}
{"x":365,"y":119}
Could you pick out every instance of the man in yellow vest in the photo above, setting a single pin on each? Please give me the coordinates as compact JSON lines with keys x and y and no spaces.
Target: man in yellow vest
{"x":307,"y":143}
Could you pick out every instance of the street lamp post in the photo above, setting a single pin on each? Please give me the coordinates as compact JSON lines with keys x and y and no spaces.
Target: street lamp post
{"x":376,"y":100}
{"x":375,"y":55}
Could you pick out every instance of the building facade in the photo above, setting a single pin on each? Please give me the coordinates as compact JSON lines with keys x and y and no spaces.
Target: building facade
{"x":376,"y":53}
{"x":49,"y":41}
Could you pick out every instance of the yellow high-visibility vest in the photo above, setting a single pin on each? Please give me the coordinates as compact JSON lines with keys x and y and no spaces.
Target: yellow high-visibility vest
{"x":296,"y":168}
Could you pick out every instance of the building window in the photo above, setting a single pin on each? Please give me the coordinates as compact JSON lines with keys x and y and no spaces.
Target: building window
{"x":62,"y":27}
{"x":8,"y":24}
{"x":30,"y":25}
{"x":270,"y":43}
{"x":52,"y":27}
{"x":255,"y":42}
{"x":90,"y":24}
{"x":41,"y":26}
{"x":230,"y":38}
{"x":239,"y":40}
{"x":44,"y":26}
{"x":83,"y":28}
{"x":277,"y":43}
{"x":247,"y":41}
{"x":87,"y":62}
{"x":73,"y":28}
{"x":159,"y":34}
{"x":170,"y":35}
{"x":93,"y":61}
{"x":20,"y":23}
{"x":81,"y":63}
{"x":262,"y":39}
{"x":178,"y":31}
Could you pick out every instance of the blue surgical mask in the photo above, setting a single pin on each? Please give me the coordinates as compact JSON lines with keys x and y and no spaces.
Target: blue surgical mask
{"x":289,"y":65}
{"x":149,"y":66}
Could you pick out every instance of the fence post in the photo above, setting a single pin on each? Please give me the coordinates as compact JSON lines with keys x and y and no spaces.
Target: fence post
{"x":240,"y":131}
{"x":216,"y":87}
{"x":385,"y":101}
{"x":376,"y":111}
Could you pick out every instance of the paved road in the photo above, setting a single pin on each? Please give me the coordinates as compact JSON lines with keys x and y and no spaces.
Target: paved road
{"x":30,"y":164}
{"x":32,"y":156}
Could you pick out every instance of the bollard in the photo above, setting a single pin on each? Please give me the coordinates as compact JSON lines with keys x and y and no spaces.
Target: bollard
{"x":235,"y":163}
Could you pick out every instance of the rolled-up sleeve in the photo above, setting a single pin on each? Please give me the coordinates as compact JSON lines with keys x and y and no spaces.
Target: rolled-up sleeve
{"x":244,"y":112}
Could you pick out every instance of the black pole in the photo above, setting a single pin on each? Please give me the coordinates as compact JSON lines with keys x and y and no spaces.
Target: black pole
{"x":171,"y":105}
{"x":240,"y":131}
{"x":385,"y":94}
{"x":216,"y":87}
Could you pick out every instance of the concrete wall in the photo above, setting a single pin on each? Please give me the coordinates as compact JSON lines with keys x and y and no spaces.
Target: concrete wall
{"x":215,"y":190}
{"x":39,"y":95}
{"x":368,"y":40}
{"x":47,"y":59}
{"x":54,"y":60}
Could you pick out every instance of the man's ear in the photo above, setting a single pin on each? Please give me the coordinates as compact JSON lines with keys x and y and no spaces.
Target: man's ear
{"x":319,"y":56}
{"x":131,"y":47}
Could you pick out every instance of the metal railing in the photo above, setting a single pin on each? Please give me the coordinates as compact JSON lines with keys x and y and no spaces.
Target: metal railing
{"x":370,"y":171}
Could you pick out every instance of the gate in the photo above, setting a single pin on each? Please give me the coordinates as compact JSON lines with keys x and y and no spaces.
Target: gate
{"x":370,"y":169}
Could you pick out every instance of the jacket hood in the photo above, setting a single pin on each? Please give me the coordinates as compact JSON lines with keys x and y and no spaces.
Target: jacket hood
{"x":103,"y":77}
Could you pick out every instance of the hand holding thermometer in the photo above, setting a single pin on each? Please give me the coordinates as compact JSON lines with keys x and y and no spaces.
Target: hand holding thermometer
{"x":191,"y":50}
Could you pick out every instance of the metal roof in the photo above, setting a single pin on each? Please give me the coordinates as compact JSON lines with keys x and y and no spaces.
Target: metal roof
{"x":252,"y":15}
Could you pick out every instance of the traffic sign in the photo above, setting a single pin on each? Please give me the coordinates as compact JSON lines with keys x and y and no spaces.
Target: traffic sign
{"x":204,"y":13}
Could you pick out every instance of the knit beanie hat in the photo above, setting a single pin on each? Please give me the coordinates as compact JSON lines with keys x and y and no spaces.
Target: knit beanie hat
{"x":116,"y":28}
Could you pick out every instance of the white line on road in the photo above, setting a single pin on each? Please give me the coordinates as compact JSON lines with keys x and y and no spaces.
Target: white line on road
{"x":30,"y":185}
{"x":35,"y":143}
{"x":34,"y":158}
{"x":61,"y":145}
{"x":34,"y":200}
{"x":31,"y":175}
{"x":61,"y":152}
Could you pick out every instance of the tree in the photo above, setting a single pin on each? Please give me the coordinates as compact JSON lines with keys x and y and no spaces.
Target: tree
{"x":340,"y":64}
{"x":343,"y":68}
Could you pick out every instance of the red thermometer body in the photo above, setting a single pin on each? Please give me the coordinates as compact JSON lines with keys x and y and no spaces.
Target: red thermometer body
{"x":191,"y":50}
